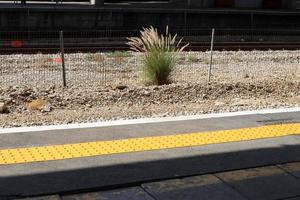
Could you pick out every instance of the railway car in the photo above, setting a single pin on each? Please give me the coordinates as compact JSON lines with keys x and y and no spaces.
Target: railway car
{"x":178,"y":4}
{"x":110,"y":19}
{"x":196,"y":4}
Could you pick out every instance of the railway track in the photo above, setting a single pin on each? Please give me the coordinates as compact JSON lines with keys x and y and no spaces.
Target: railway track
{"x":72,"y":48}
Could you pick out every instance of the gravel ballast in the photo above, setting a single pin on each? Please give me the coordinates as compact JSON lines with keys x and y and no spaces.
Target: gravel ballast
{"x":73,"y":105}
{"x":106,"y":69}
{"x":106,"y":86}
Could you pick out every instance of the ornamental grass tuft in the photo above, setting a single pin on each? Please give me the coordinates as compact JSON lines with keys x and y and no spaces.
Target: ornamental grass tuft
{"x":160,"y":54}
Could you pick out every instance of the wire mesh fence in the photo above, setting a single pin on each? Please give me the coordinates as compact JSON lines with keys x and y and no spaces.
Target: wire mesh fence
{"x":126,"y":68}
{"x":114,"y":36}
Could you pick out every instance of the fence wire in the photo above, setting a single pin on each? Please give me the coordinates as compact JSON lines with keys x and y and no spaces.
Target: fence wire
{"x":126,"y":68}
{"x":123,"y":67}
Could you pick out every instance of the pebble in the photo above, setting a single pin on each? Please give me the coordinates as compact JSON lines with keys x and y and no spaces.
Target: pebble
{"x":3,"y":108}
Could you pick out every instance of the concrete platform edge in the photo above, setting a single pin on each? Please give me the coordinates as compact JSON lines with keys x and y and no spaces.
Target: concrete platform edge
{"x":144,"y":120}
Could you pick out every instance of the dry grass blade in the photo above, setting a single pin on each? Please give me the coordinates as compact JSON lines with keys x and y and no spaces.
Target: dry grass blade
{"x":150,"y":39}
{"x":160,"y":53}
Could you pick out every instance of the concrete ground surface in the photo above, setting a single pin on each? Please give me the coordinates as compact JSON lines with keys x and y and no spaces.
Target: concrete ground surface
{"x":256,"y":169}
{"x":280,"y":182}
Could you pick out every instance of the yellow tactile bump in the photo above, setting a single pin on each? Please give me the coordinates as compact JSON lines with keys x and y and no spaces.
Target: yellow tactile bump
{"x":98,"y":148}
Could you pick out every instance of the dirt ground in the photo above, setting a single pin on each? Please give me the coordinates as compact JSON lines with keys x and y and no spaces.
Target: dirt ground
{"x":78,"y":104}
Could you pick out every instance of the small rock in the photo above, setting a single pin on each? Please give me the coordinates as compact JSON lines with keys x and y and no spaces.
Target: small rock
{"x":246,"y":76}
{"x":121,"y":87}
{"x":51,"y":96}
{"x":46,"y":108}
{"x":204,"y":96}
{"x":229,"y":87}
{"x":3,"y":108}
{"x":155,"y":88}
{"x":146,"y":93}
{"x":165,"y":114}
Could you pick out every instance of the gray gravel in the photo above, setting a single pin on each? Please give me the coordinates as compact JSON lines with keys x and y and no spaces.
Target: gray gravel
{"x":104,"y":69}
{"x":107,"y":86}
{"x":76,"y":104}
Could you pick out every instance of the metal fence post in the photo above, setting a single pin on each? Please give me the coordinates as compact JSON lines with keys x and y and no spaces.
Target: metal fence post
{"x":211,"y":53}
{"x":62,"y":54}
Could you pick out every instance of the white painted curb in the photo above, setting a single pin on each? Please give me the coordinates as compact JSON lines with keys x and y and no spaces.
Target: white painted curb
{"x":144,"y":120}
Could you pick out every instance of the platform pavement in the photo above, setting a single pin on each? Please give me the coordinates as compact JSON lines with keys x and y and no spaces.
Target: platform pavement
{"x":280,"y":182}
{"x":122,"y":169}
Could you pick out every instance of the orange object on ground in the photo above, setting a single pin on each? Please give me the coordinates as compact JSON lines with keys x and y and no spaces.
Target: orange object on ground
{"x":16,"y":43}
{"x":56,"y":60}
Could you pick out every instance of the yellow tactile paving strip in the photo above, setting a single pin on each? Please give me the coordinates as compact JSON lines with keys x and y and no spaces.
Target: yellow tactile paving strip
{"x":98,"y":148}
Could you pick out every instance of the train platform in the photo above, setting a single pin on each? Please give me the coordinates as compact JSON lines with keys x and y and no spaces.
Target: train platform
{"x":279,"y":182}
{"x":230,"y":155}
